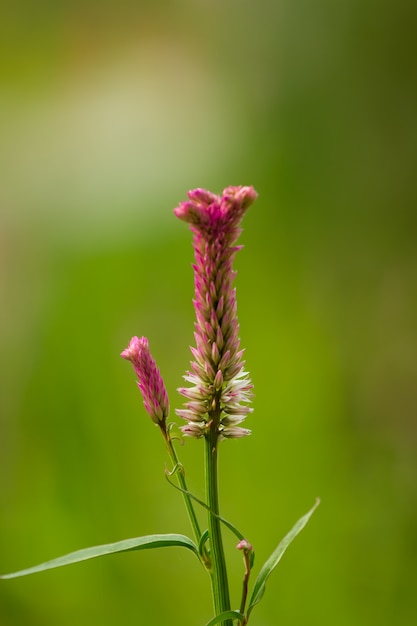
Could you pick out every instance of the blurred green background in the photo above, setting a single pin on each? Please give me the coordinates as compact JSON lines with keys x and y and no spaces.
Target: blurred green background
{"x":109,"y":112}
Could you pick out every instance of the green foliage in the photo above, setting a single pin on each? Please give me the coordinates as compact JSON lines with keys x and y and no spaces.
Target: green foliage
{"x":274,"y":559}
{"x":127,"y":545}
{"x":226,"y":615}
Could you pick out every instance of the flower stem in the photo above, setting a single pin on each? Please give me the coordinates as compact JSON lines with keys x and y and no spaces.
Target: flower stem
{"x":220,"y":586}
{"x":181,"y":479}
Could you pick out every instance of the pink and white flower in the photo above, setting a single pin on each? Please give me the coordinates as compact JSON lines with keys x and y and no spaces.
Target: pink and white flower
{"x":220,"y":387}
{"x":150,"y":382}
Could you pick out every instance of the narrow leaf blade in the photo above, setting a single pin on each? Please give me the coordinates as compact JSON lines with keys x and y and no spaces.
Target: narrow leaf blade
{"x":226,"y":615}
{"x":127,"y":545}
{"x":274,"y":559}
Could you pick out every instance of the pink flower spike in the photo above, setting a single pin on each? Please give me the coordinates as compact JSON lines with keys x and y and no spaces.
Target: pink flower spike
{"x":220,"y":384}
{"x":150,"y":382}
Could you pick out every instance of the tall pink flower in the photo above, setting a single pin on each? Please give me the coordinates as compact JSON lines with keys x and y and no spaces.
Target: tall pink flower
{"x":150,"y":383}
{"x":220,"y":388}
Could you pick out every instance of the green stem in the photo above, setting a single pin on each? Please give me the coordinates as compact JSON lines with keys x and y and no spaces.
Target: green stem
{"x":187,"y":500}
{"x":219,"y":581}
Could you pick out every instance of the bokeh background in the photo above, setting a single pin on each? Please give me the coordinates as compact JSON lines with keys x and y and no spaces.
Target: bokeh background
{"x":109,"y":112}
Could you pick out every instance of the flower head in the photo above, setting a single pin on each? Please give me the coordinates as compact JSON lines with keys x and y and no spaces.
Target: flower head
{"x":150,"y":383}
{"x":219,"y":384}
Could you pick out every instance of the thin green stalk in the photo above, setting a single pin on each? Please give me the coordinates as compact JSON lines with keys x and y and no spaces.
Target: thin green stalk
{"x":220,"y":586}
{"x":181,"y":479}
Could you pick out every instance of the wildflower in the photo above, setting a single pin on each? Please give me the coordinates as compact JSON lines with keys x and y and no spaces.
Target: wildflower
{"x":245,"y":546}
{"x":150,"y":382}
{"x":220,"y":388}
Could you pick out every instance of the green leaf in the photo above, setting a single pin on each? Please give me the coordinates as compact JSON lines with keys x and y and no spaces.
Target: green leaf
{"x":272,"y":562}
{"x":127,"y":545}
{"x":229,"y":525}
{"x":204,"y":537}
{"x":226,"y":615}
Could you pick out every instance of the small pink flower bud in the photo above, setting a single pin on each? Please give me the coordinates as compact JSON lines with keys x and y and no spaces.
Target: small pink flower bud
{"x":218,"y":380}
{"x":150,"y":382}
{"x":194,"y":429}
{"x":234,"y":432}
{"x":245,"y":546}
